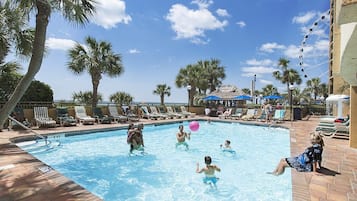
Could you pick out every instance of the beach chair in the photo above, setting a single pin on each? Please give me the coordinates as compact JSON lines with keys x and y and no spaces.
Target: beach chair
{"x":238,"y":113}
{"x":330,"y":127}
{"x":250,"y":114}
{"x":63,"y":118}
{"x":113,"y":112}
{"x":82,"y":117}
{"x":147,"y":115}
{"x":154,"y":111}
{"x":100,"y":117}
{"x":338,"y":132}
{"x":226,"y":114}
{"x":168,"y":115}
{"x":185,"y":112}
{"x":279,"y":116}
{"x":171,"y":111}
{"x":42,"y":118}
{"x":131,"y":115}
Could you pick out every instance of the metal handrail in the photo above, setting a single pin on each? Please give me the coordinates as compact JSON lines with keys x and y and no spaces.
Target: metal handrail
{"x":27,"y":128}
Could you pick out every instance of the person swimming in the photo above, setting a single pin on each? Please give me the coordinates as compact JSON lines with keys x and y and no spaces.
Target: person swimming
{"x":209,"y":171}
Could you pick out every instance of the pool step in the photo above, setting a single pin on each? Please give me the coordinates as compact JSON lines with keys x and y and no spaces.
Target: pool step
{"x":39,"y":146}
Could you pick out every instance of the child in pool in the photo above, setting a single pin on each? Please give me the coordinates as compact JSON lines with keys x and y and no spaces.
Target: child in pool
{"x":209,"y":171}
{"x":227,"y":145}
{"x":308,"y":161}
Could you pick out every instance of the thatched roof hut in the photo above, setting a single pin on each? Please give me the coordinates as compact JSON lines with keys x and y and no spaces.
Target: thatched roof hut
{"x":227,"y":92}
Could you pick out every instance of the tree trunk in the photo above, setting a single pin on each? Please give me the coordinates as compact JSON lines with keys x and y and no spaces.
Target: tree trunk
{"x":44,"y":11}
{"x":95,"y":95}
{"x":162,"y":99}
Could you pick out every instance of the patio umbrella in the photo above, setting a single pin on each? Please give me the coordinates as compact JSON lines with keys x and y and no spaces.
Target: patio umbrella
{"x":273,"y":97}
{"x":211,"y":98}
{"x":242,"y":97}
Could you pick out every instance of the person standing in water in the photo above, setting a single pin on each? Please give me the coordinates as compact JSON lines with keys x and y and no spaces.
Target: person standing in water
{"x":182,"y":136}
{"x":209,"y":171}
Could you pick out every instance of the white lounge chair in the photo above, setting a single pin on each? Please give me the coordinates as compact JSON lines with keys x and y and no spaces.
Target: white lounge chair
{"x":185,"y":112}
{"x":171,"y":111}
{"x":113,"y":111}
{"x":154,"y":111}
{"x":42,"y":118}
{"x":82,"y":117}
{"x":250,"y":114}
{"x":147,"y":115}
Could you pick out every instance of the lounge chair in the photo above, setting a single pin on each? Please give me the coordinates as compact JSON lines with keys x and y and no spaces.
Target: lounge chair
{"x":185,"y":112}
{"x":18,"y":115}
{"x":250,"y":114}
{"x":131,"y":115}
{"x":42,"y":118}
{"x":162,"y":111}
{"x":330,"y":127}
{"x":82,"y":117}
{"x":171,"y":111}
{"x":154,"y":111}
{"x":279,"y":116}
{"x":100,"y":117}
{"x":339,"y":132}
{"x":63,"y":118}
{"x":226,"y":114}
{"x":113,"y":112}
{"x":238,"y":113}
{"x":147,"y":115}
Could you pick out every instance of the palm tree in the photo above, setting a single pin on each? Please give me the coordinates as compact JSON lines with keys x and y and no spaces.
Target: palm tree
{"x":189,"y":76}
{"x":269,"y":90}
{"x":246,"y":91}
{"x":72,"y":10}
{"x":85,"y":97}
{"x":121,"y":98}
{"x":97,"y":59}
{"x":213,"y":73}
{"x":287,"y":76}
{"x":162,"y":90}
{"x":314,"y":86}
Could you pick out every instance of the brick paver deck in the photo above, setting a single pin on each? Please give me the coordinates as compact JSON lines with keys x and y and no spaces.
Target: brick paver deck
{"x":21,"y":179}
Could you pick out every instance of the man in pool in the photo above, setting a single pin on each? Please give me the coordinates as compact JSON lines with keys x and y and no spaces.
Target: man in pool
{"x":209,"y":171}
{"x":181,"y":137}
{"x":135,"y":138}
{"x":227,"y":145}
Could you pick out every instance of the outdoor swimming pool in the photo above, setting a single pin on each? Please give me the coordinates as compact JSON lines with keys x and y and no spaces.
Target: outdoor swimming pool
{"x":101,"y":164}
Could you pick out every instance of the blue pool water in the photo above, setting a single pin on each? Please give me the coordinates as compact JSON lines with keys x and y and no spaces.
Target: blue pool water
{"x":101,"y":164}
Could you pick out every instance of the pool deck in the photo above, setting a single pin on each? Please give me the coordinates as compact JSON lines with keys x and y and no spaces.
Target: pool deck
{"x":22,"y":177}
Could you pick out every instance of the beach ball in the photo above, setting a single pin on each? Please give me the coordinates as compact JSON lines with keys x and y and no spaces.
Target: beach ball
{"x":194,"y":125}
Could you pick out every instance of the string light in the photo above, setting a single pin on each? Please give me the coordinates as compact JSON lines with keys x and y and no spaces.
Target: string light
{"x":303,"y":43}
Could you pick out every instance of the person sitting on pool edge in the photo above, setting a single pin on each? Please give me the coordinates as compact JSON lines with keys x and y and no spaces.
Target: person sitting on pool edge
{"x":181,"y":137}
{"x":135,"y":138}
{"x":305,"y":162}
{"x":209,"y":171}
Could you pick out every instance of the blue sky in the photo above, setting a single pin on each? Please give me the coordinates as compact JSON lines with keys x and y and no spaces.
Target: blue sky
{"x":158,"y":37}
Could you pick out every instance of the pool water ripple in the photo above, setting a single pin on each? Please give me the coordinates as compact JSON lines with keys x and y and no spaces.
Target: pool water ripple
{"x":100,"y":162}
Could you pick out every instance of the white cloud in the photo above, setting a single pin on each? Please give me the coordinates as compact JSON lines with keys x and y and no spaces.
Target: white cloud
{"x":304,"y":18}
{"x":109,"y":13}
{"x":322,"y":45}
{"x":60,"y":44}
{"x":271,"y":47}
{"x":254,"y":62}
{"x":265,"y":81}
{"x":241,"y":24}
{"x":222,"y":12}
{"x":134,"y":51}
{"x":192,"y":24}
{"x":202,"y":4}
{"x":257,"y":70}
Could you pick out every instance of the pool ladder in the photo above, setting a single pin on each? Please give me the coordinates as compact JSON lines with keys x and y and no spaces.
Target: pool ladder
{"x":48,"y":143}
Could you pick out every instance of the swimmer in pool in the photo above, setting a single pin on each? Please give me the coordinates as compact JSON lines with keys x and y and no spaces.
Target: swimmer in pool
{"x":182,"y":136}
{"x":209,"y":171}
